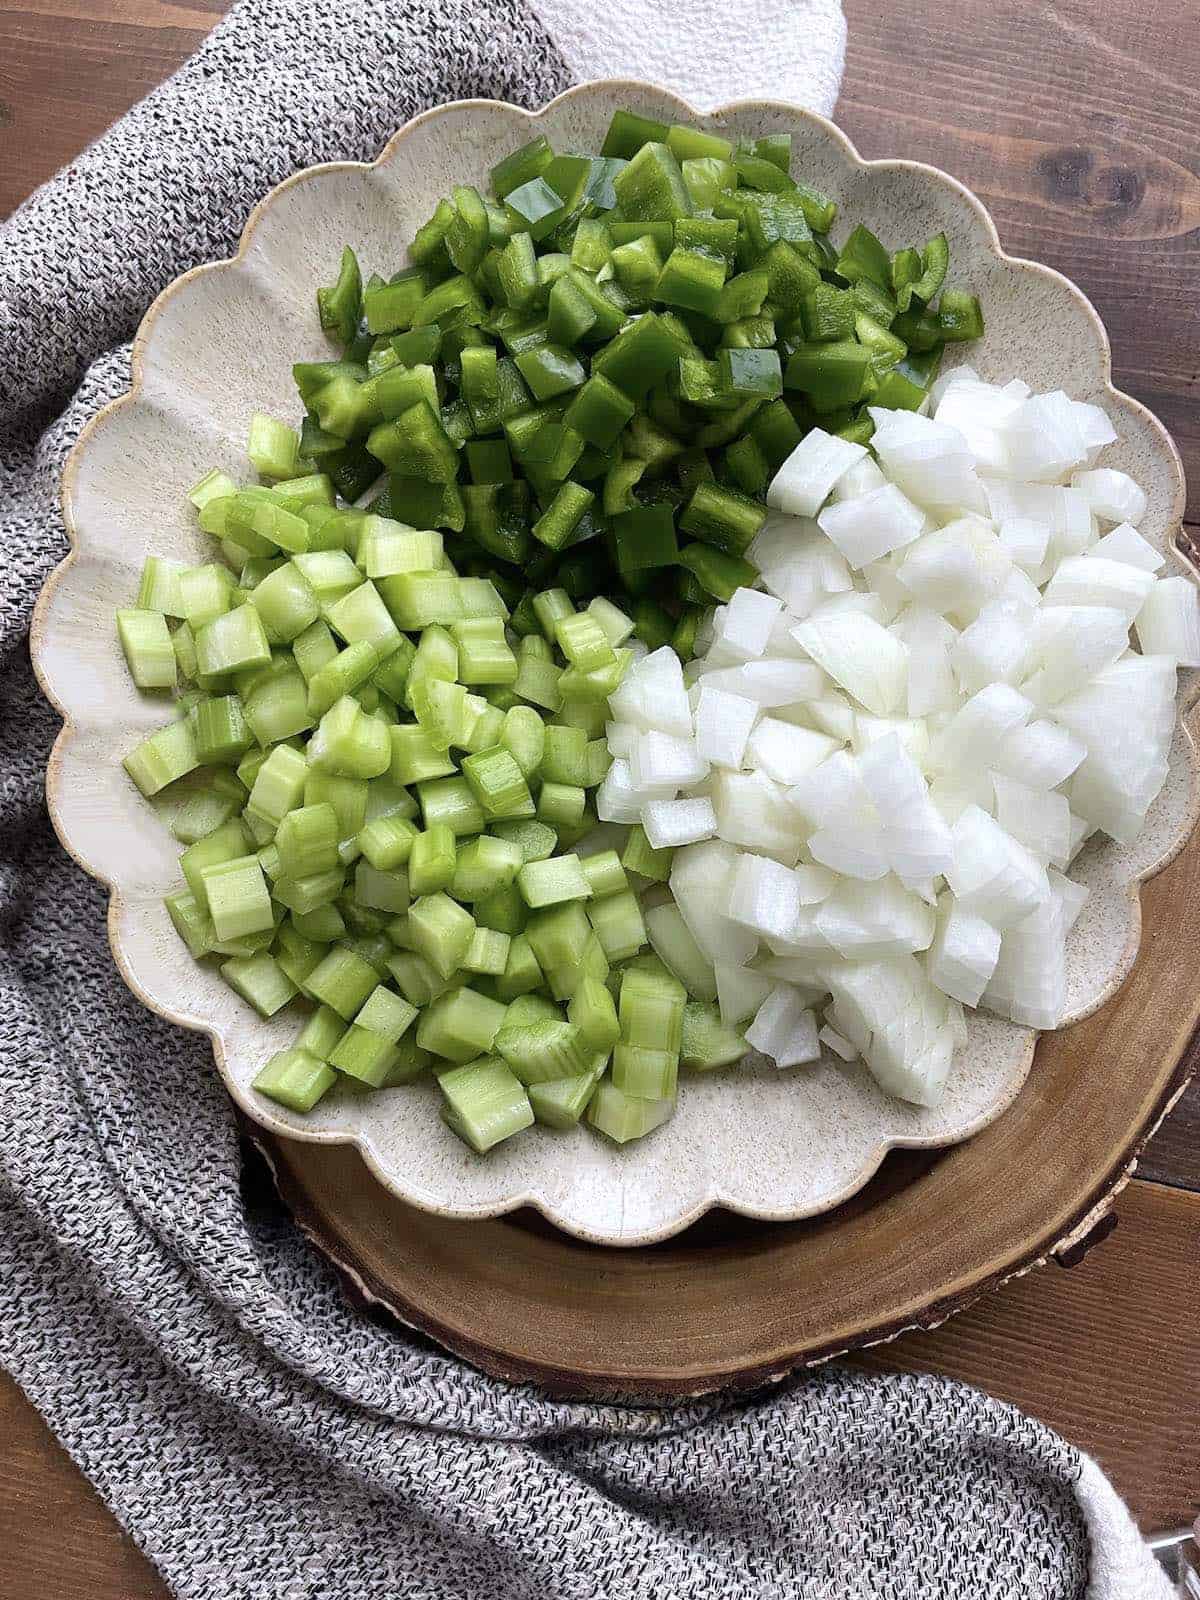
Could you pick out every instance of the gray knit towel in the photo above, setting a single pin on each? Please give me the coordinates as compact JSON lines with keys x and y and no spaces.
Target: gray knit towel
{"x":259,"y":1438}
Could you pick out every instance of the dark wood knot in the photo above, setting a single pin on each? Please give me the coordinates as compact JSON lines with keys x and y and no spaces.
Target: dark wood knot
{"x":1073,"y":177}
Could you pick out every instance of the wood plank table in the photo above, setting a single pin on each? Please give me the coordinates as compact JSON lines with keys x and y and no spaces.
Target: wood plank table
{"x":1077,"y":123}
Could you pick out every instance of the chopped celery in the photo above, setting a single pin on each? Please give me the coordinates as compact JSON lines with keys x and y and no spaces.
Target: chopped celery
{"x":544,"y":447}
{"x":460,"y":1025}
{"x":707,"y":1042}
{"x":552,"y":881}
{"x":622,"y":1117}
{"x":484,"y":1103}
{"x":295,"y":1079}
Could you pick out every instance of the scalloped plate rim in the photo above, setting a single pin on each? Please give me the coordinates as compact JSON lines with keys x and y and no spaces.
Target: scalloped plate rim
{"x":361,"y":1138}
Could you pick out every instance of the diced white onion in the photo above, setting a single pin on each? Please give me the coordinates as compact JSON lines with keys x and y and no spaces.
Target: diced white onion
{"x":804,"y":481}
{"x":784,"y":1030}
{"x":672,"y":823}
{"x":1111,"y":494}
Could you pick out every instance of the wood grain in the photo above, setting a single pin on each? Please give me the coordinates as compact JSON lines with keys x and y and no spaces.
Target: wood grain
{"x":1105,"y":1352}
{"x":1075,"y":121}
{"x":57,"y":1539}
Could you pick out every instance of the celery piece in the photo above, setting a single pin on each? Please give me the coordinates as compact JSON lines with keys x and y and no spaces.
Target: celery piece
{"x":562,"y":806}
{"x":651,"y":1010}
{"x":278,"y":786}
{"x":347,"y":796}
{"x":387,"y":841}
{"x":441,"y":931}
{"x":381,"y":891}
{"x":565,"y":980}
{"x":304,"y":895}
{"x":589,"y":715}
{"x":286,"y":603}
{"x":260,"y":980}
{"x":149,"y":653}
{"x":583,"y":641}
{"x":539,"y":1052}
{"x":550,"y":608}
{"x":502,"y":909}
{"x":594,"y":1013}
{"x":498,"y":784}
{"x":639,"y":857}
{"x":521,"y":971}
{"x":324,"y":925}
{"x":362,"y":616}
{"x":238,"y":899}
{"x":487,"y":952}
{"x":415,"y":978}
{"x":451,"y":801}
{"x":524,"y":738}
{"x":206,"y":592}
{"x":295,"y":1079}
{"x":418,"y":599}
{"x":225,"y":843}
{"x":432,"y":860}
{"x":183,"y":643}
{"x":350,"y":744}
{"x":299,"y":957}
{"x":409,"y":1063}
{"x":616,"y":626}
{"x":162,"y":758}
{"x":373,"y":947}
{"x":341,"y":675}
{"x":534,"y":839}
{"x":321,"y":1032}
{"x":277,"y":708}
{"x":707,"y":1042}
{"x":364,"y":1055}
{"x":231,"y":643}
{"x":414,"y":758}
{"x":559,"y":935}
{"x":307,"y":841}
{"x":550,"y":882}
{"x":483,"y":866}
{"x":619,"y":925}
{"x":159,"y":586}
{"x":622,"y":1117}
{"x":598,"y":761}
{"x":644,"y":1073}
{"x":342,"y":982}
{"x":561,"y":1102}
{"x":207,"y":806}
{"x":565,"y":758}
{"x":460,"y":1025}
{"x":484,"y":725}
{"x":191,"y":921}
{"x":484,"y":1103}
{"x":220,"y":730}
{"x":386,"y":1014}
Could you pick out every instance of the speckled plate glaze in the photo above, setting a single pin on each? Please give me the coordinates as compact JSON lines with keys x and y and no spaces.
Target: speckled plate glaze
{"x":218,"y":345}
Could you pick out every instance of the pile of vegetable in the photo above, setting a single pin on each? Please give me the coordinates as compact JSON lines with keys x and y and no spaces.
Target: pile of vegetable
{"x":453,"y":625}
{"x":879,"y":769}
{"x":542,"y":450}
{"x":587,"y":378}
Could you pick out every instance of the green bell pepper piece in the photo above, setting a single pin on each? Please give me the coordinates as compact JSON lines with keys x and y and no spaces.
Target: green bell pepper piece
{"x":340,"y":306}
{"x":718,"y":574}
{"x":831,"y":375}
{"x":651,"y":187}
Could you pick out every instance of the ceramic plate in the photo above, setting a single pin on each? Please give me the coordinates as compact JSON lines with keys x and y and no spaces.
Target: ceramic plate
{"x":217,"y":346}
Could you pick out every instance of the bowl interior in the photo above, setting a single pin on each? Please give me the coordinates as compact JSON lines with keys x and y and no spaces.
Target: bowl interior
{"x":219,"y":346}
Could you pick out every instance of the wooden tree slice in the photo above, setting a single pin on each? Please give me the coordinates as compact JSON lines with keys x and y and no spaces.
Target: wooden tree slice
{"x":733,"y":1303}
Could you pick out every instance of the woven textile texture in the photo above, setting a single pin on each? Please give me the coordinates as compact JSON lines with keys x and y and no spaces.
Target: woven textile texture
{"x":259,"y":1438}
